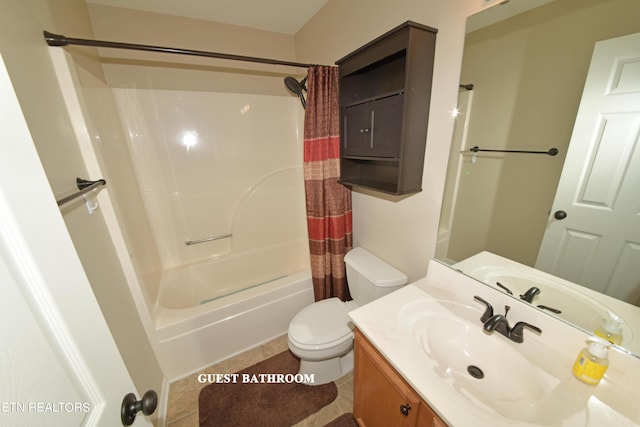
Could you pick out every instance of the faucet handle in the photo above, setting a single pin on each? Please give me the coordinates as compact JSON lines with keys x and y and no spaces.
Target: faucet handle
{"x":516,"y":334}
{"x":488,"y":312}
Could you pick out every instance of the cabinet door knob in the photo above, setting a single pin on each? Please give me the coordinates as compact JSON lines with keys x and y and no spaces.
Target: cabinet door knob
{"x":404,"y":409}
{"x":365,"y":130}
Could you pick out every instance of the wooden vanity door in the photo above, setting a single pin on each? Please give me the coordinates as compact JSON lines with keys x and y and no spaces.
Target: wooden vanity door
{"x":381,"y":398}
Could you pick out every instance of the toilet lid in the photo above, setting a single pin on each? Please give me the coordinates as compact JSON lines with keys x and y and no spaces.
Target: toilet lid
{"x":320,"y":323}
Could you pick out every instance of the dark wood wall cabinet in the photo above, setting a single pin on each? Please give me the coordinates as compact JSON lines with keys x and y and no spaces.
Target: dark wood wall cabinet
{"x":385,"y":91}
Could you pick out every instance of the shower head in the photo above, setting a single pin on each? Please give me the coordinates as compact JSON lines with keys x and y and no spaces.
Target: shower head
{"x":296,"y":87}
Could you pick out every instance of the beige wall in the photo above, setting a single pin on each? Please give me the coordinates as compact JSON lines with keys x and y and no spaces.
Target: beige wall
{"x":162,"y":71}
{"x":402,"y":231}
{"x":27,"y":60}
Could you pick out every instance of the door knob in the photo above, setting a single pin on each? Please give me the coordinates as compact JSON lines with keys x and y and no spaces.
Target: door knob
{"x":405,"y":409}
{"x":559,"y":214}
{"x":130,"y":406}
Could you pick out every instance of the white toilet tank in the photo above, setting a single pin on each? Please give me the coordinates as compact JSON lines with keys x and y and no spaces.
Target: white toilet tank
{"x":369,"y":277}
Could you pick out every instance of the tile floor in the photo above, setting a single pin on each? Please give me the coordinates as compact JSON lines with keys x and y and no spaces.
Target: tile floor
{"x":182,"y":410}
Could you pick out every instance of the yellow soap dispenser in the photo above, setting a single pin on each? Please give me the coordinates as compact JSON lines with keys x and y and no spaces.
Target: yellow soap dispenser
{"x":592,"y":362}
{"x":611,"y":330}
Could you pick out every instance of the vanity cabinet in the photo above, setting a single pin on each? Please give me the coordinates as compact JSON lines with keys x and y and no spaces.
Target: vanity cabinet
{"x":385,"y":90}
{"x":382,"y":398}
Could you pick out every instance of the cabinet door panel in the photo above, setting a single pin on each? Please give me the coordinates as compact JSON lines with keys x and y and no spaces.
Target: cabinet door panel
{"x":385,"y":121}
{"x":373,"y":129}
{"x":379,"y":395}
{"x":355,"y":131}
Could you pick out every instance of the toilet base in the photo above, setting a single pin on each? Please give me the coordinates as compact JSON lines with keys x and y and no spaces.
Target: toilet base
{"x":326,"y":371}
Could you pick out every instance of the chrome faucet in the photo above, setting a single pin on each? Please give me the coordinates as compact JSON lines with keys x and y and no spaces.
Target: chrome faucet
{"x":498,"y":322}
{"x":530,"y":294}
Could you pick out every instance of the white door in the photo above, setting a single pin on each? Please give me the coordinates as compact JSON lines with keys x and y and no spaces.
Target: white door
{"x":59,"y":365}
{"x":593,"y":234}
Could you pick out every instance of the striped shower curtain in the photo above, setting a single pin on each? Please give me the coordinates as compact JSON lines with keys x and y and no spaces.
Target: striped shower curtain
{"x":328,"y":202}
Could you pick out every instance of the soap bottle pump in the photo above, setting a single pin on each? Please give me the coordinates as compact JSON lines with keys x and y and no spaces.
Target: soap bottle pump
{"x":592,"y":361}
{"x":611,"y":330}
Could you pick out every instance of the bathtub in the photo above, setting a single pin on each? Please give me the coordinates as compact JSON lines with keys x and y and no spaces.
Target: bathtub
{"x":211,"y":310}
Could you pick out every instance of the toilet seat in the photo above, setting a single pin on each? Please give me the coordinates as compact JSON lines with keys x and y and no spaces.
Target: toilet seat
{"x":321,"y":325}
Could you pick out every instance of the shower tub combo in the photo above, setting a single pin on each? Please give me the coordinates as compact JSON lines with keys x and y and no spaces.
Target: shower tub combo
{"x":204,"y":164}
{"x":220,"y":176}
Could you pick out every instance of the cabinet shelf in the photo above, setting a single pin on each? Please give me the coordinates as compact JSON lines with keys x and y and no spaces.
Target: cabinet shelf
{"x":373,"y":173}
{"x":374,"y":98}
{"x":383,"y":187}
{"x":385,"y":91}
{"x":387,"y":159}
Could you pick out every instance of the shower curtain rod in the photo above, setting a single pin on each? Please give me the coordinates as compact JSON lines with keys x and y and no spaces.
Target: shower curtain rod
{"x":60,"y":40}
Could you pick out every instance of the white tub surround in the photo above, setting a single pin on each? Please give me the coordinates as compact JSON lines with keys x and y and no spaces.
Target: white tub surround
{"x":211,"y":164}
{"x":220,"y":177}
{"x":395,"y":325}
{"x":200,"y":283}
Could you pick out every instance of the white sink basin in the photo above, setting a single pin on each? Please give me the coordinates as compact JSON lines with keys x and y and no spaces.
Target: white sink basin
{"x":486,"y":369}
{"x":507,"y":383}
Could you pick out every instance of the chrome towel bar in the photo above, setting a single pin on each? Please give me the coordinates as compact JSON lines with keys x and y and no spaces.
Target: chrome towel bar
{"x":550,"y":152}
{"x":207,"y":239}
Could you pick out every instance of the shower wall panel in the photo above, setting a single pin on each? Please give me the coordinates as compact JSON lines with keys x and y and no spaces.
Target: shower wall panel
{"x":211,"y":164}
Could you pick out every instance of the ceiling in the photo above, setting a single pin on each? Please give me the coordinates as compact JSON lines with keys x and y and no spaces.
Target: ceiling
{"x":281,"y":16}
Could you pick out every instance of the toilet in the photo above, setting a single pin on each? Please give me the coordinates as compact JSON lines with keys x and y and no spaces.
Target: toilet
{"x":321,"y":335}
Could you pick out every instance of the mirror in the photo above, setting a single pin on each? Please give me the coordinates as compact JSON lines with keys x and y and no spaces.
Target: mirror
{"x":524,"y":68}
